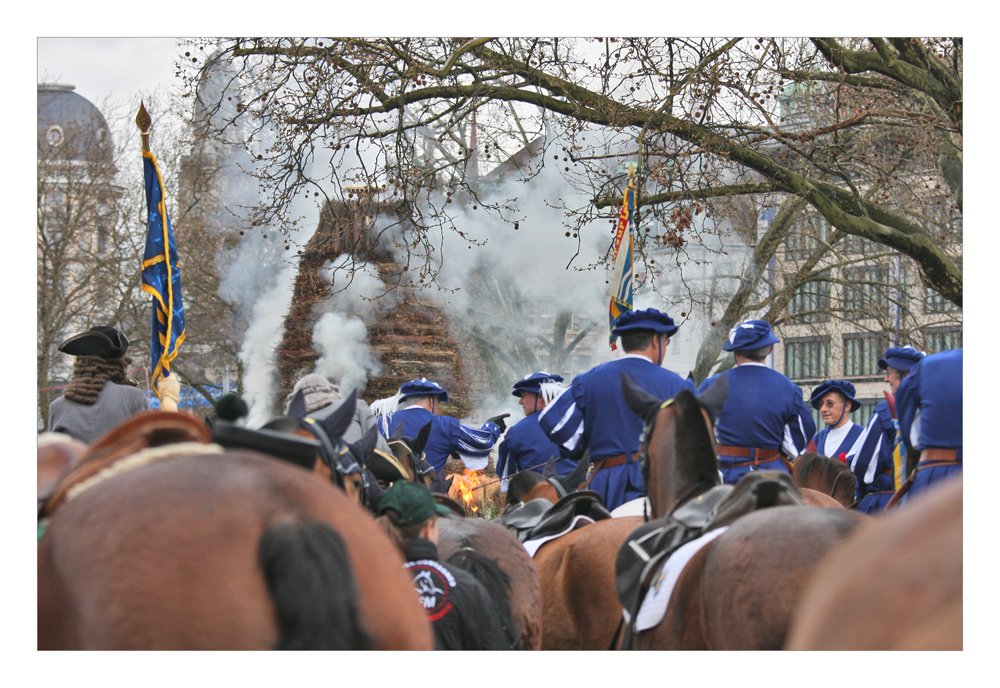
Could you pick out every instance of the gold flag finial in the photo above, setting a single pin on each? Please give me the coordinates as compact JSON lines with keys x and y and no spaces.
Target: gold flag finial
{"x":143,"y":121}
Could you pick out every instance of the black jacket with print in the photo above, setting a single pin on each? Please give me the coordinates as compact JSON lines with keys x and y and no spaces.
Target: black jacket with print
{"x":457,"y":605}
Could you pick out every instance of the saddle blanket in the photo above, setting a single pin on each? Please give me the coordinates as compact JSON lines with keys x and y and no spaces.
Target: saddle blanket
{"x":578,"y":522}
{"x":637,"y":507}
{"x":654,"y":605}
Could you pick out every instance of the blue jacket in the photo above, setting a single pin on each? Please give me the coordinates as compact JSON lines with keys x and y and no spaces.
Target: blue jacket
{"x":870,"y":458}
{"x":526,"y":447}
{"x":845,"y":445}
{"x":929,"y":403}
{"x":448,"y":436}
{"x":764,"y":410}
{"x":592,"y":413}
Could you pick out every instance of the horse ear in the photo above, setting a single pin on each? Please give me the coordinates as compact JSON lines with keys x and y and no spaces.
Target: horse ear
{"x":439,"y":485}
{"x":368,"y":441}
{"x":397,"y":433}
{"x":642,"y":403}
{"x":297,"y":407}
{"x":715,"y":396}
{"x":550,"y":469}
{"x":579,"y":473}
{"x":336,"y":422}
{"x":420,"y":441}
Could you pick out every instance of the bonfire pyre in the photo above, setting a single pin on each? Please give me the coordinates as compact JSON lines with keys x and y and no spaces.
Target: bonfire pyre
{"x":478,"y":491}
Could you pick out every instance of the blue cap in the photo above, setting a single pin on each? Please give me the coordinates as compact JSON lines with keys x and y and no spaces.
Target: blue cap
{"x":901,"y":358}
{"x":842,"y":386}
{"x":533,"y":382}
{"x":422,"y":388}
{"x":752,"y":334}
{"x":646,"y":319}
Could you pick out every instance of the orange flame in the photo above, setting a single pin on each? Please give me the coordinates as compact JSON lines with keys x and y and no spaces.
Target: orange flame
{"x":465,"y":482}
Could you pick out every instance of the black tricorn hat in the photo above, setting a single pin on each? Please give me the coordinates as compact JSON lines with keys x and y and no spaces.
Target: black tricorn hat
{"x":97,"y":341}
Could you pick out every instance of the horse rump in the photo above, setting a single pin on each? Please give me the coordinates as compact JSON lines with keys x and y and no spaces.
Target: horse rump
{"x":307,"y":570}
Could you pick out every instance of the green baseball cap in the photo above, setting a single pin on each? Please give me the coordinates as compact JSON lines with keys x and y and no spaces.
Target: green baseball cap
{"x":412,"y":501}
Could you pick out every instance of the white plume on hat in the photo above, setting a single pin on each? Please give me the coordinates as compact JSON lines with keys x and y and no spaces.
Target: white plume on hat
{"x":551,"y":390}
{"x":383,"y":409}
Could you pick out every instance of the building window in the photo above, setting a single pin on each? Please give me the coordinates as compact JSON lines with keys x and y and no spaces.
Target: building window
{"x":861,"y":354}
{"x":807,"y":358}
{"x":805,"y":237}
{"x":856,"y":245}
{"x":940,"y":339}
{"x":811,"y":302}
{"x":866,"y":294}
{"x":935,"y":303}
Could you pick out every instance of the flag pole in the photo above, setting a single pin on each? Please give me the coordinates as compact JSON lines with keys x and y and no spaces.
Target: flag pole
{"x":143,"y":121}
{"x":160,"y":275}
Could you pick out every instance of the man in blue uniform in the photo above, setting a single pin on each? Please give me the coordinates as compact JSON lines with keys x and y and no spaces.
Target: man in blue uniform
{"x":835,"y":400}
{"x":525,"y":446}
{"x":592,"y":413}
{"x":471,"y":445}
{"x":764,"y":414}
{"x":870,"y":458}
{"x":929,"y":405}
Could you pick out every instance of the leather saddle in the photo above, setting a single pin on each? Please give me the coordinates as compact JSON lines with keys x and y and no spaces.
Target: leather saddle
{"x":143,"y":431}
{"x":540,"y":518}
{"x":648,"y":546}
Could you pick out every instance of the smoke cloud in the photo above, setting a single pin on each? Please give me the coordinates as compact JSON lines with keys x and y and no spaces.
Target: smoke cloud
{"x":345,"y":358}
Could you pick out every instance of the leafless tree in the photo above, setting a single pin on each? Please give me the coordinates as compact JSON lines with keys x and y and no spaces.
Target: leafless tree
{"x":865,"y":134}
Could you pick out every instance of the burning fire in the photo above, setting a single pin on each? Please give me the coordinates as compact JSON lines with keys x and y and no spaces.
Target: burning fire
{"x":463,"y":487}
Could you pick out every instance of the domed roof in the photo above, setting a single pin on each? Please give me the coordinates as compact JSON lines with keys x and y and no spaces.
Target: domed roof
{"x":69,"y":125}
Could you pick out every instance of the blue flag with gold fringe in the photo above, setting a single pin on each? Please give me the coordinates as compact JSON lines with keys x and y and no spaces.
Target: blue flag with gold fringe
{"x":161,"y":275}
{"x":621,"y":282}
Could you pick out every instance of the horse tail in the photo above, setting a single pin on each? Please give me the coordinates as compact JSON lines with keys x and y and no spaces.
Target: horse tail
{"x":497,"y":583}
{"x":306,"y":568}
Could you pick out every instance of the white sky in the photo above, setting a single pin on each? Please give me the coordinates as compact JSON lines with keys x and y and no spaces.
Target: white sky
{"x":108,"y":67}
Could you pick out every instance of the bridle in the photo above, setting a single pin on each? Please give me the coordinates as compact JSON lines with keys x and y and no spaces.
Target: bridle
{"x":837,"y":479}
{"x":339,"y":457}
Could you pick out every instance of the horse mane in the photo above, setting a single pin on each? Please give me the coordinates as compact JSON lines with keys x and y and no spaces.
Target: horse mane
{"x":829,"y":469}
{"x":310,"y":578}
{"x":520,"y":485}
{"x":701,"y":470}
{"x":497,"y":584}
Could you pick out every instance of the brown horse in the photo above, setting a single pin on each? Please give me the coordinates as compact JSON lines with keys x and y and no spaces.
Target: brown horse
{"x":218,"y":550}
{"x":896,"y":584}
{"x":499,"y":544}
{"x":577,"y":574}
{"x":576,"y":570}
{"x":827,"y":476}
{"x":738,"y":591}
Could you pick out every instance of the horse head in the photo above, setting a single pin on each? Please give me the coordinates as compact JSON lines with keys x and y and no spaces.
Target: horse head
{"x":410,"y":452}
{"x":828,"y":476}
{"x":338,"y":461}
{"x":678,"y":450}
